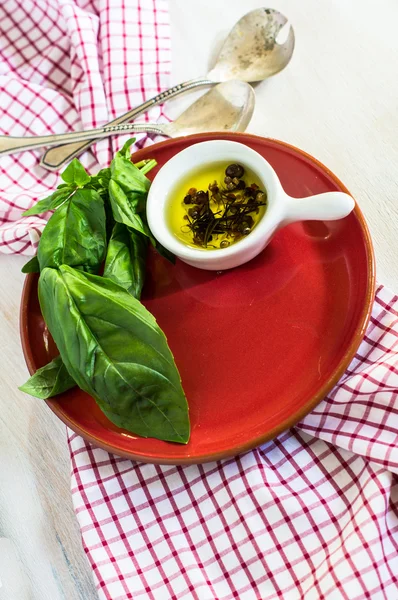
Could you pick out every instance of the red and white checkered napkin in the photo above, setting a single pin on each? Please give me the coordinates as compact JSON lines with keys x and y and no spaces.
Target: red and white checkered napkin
{"x":313,"y":514}
{"x":68,"y":65}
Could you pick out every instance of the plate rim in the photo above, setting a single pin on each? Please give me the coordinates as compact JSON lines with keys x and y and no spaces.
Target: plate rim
{"x":287,"y":423}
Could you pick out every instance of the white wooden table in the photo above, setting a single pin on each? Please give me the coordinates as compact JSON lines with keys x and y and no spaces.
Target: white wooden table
{"x":338,"y":100}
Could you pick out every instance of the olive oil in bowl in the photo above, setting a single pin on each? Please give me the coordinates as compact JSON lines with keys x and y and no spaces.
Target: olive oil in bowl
{"x":216,"y":206}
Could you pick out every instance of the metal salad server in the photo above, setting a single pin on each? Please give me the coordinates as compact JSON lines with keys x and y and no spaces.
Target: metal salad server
{"x":260,"y":45}
{"x":228,"y":106}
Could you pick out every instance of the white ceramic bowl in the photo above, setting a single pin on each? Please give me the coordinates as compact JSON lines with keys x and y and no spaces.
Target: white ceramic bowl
{"x":281,"y":209}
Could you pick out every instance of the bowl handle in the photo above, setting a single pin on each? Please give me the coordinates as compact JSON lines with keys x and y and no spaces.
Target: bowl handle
{"x":329,"y":206}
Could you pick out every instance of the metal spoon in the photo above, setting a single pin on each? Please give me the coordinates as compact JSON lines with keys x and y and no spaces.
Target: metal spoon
{"x":260,"y":45}
{"x":227,"y":107}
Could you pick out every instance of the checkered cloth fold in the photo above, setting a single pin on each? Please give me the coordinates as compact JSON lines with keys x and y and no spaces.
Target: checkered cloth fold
{"x":67,"y":65}
{"x":311,"y":515}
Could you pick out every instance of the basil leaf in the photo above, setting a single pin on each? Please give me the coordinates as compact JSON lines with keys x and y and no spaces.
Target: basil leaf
{"x":125,"y":207}
{"x":110,"y":221}
{"x":100,"y":181}
{"x":75,"y":234}
{"x":127,"y":176}
{"x":115,"y":351}
{"x":76,"y":174}
{"x":50,"y":380}
{"x":126,"y":259}
{"x":157,"y":245}
{"x":125,"y":151}
{"x":49,"y":203}
{"x":32,"y":266}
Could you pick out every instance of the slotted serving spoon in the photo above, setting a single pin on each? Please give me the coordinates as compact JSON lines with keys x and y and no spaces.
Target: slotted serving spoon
{"x":227,"y":107}
{"x":260,"y":45}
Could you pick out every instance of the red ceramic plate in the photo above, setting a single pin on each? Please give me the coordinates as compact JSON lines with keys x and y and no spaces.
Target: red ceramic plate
{"x":258,"y":346}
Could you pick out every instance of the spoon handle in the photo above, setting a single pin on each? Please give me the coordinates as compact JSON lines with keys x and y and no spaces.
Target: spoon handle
{"x":54,"y":159}
{"x":329,"y":206}
{"x":11,"y":145}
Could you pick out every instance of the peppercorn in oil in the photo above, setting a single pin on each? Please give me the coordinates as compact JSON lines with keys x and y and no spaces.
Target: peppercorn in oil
{"x":217,"y":206}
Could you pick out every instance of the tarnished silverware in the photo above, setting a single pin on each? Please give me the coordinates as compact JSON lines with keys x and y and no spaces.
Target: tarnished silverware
{"x":226,"y":107}
{"x":261,"y":44}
